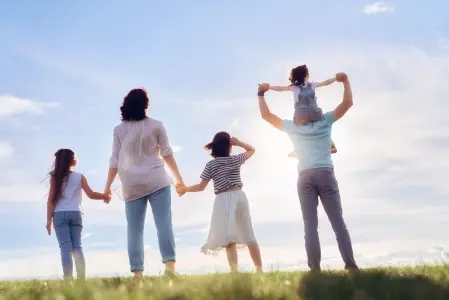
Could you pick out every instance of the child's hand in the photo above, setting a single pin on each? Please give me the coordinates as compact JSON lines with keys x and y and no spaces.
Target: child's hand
{"x":341,"y":77}
{"x":263,"y":87}
{"x":235,"y":141}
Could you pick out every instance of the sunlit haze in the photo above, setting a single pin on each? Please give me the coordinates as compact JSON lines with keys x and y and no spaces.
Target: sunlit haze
{"x":65,"y":68}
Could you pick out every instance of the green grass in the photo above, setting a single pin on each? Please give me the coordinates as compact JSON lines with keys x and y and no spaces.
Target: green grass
{"x":424,"y":282}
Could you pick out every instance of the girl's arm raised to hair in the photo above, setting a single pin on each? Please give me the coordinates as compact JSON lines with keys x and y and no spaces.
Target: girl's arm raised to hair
{"x":50,"y":205}
{"x":197,"y":187}
{"x":248,"y":148}
{"x":326,"y":82}
{"x":91,"y":194}
{"x":279,"y":88}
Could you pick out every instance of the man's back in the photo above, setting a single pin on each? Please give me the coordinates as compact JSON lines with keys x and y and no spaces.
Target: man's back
{"x":312,"y":141}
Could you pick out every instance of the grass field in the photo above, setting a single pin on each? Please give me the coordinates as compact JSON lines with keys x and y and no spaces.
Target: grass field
{"x":424,"y":282}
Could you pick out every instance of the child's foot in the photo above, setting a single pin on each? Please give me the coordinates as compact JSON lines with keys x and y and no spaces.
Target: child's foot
{"x":333,"y":149}
{"x":292,"y":154}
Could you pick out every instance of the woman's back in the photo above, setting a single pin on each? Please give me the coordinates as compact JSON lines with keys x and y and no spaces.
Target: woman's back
{"x":138,"y":147}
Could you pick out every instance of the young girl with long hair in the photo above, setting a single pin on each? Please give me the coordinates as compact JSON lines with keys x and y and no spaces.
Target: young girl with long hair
{"x":230,"y":226}
{"x":64,"y":209}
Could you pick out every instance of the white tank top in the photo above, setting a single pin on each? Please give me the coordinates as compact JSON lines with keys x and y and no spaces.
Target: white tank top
{"x":72,"y":194}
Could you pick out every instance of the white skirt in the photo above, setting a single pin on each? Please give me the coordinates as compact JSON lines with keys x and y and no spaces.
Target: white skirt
{"x":230,"y":223}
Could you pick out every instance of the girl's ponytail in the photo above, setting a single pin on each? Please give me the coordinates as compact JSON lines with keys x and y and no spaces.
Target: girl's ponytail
{"x":61,"y":169}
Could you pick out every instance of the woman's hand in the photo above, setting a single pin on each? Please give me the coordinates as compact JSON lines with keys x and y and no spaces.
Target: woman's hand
{"x":107,"y":195}
{"x":180,"y":189}
{"x":48,"y":227}
{"x":107,"y":191}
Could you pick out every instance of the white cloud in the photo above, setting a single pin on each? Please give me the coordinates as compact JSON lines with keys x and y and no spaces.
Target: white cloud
{"x":378,"y":7}
{"x":22,"y":193}
{"x":176,"y":148}
{"x":6,"y":150}
{"x":86,"y":235}
{"x":391,"y":166}
{"x":443,"y":43}
{"x":12,"y":106}
{"x":390,"y":143}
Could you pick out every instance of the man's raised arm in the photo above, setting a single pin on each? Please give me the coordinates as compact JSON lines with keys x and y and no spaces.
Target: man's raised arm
{"x":346,"y":103}
{"x":265,"y":112}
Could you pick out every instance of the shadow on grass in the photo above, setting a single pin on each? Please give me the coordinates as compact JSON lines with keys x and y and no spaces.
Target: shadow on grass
{"x":371,"y":284}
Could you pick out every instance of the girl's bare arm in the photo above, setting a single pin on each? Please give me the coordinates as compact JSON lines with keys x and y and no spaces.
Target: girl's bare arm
{"x":248,"y":148}
{"x":326,"y":82}
{"x":91,"y":194}
{"x":50,"y":205}
{"x":279,"y":88}
{"x":197,"y":187}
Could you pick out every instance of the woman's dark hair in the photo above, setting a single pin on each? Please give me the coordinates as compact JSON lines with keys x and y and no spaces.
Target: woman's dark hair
{"x":134,"y":105}
{"x":298,"y":75}
{"x":61,"y":169}
{"x":220,"y":145}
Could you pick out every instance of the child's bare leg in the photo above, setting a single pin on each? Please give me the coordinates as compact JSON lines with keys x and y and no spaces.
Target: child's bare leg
{"x":231,"y":253}
{"x":254,"y":251}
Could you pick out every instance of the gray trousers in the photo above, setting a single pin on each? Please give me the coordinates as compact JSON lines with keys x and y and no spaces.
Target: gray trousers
{"x":322,"y":182}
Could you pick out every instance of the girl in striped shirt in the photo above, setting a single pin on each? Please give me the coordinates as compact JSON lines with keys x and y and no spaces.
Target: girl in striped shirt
{"x":231,"y":226}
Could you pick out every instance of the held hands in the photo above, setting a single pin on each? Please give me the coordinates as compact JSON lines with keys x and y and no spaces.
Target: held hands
{"x":341,"y":77}
{"x":263,"y":87}
{"x":107,"y":195}
{"x":180,"y":188}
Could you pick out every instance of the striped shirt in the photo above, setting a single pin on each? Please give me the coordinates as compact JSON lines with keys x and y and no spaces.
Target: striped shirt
{"x":225,"y":172}
{"x":136,"y":153}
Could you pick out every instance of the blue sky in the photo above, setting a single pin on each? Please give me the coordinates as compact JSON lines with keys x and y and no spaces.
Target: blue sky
{"x":64,"y":70}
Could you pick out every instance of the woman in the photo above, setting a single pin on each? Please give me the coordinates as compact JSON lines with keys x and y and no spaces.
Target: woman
{"x":312,"y":142}
{"x":139,"y":143}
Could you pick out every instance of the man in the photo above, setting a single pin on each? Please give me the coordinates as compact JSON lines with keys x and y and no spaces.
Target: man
{"x":312,"y":142}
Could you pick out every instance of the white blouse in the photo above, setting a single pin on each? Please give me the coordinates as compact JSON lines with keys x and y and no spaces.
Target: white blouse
{"x":136,"y":153}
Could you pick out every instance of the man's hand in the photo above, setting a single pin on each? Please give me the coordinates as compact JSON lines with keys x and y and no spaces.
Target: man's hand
{"x":341,"y":77}
{"x":264,"y":87}
{"x":346,"y":103}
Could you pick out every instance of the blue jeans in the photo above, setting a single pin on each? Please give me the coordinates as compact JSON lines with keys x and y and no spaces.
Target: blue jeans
{"x":68,"y":226}
{"x":160,"y":202}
